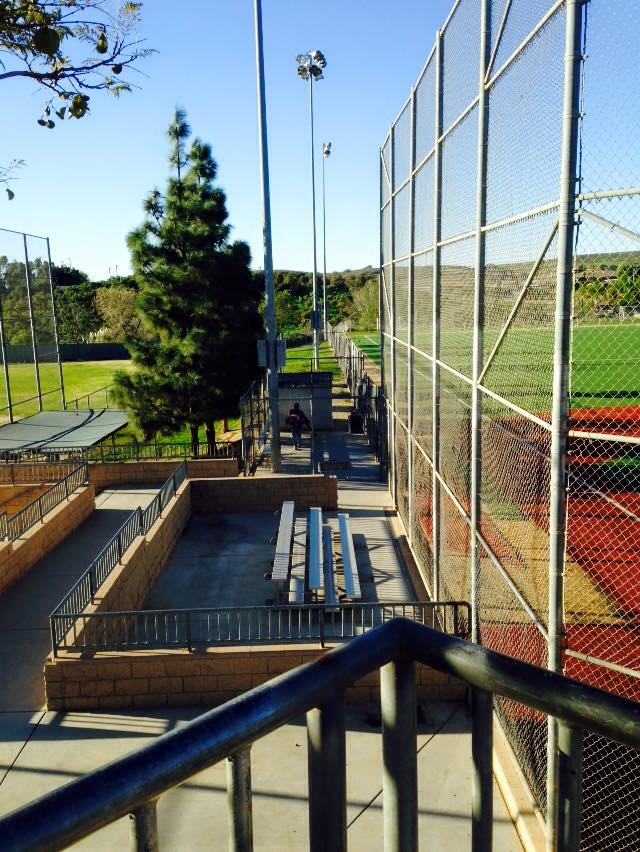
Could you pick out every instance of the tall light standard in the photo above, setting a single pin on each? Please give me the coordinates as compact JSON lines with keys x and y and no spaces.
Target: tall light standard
{"x":310,"y":67}
{"x":326,"y":153}
{"x":269,"y":292}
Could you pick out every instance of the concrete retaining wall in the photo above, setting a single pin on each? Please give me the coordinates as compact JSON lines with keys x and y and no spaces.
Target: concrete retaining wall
{"x":18,"y":557}
{"x":160,"y":679}
{"x":105,"y":474}
{"x":16,"y":497}
{"x":263,"y":493}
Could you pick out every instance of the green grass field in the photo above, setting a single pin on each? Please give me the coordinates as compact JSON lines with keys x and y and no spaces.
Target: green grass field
{"x":80,"y":378}
{"x":299,"y":360}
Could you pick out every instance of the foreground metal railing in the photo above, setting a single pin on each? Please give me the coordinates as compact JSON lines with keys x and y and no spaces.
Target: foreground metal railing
{"x":84,"y":589}
{"x":33,"y":513}
{"x":188,"y":628}
{"x":132,"y":785}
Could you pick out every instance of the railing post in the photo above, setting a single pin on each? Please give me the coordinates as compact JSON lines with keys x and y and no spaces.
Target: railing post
{"x":66,"y":487}
{"x":326,"y":755}
{"x":119,"y":543}
{"x":482,"y":781}
{"x":239,"y":803}
{"x":144,"y":828}
{"x":40,"y":512}
{"x":570,"y":746}
{"x":189,"y":633}
{"x":400,"y":772}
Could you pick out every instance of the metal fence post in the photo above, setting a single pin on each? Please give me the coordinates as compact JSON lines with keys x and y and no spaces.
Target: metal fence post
{"x":239,"y":803}
{"x":56,"y":338}
{"x":326,"y":755}
{"x":399,"y":750}
{"x":392,"y":318}
{"x":561,"y":353}
{"x":32,"y":323}
{"x":410,"y":319}
{"x":478,"y":319}
{"x":5,"y":366}
{"x":435,"y":335}
{"x":144,"y":828}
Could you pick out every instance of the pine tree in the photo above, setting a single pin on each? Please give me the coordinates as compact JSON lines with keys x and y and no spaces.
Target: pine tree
{"x":198,"y":302}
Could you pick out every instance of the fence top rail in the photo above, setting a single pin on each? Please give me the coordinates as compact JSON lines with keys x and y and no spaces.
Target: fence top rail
{"x":89,"y":803}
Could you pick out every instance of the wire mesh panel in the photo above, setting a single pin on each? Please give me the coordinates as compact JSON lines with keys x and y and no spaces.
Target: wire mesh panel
{"x":603,"y":511}
{"x":494,"y":192}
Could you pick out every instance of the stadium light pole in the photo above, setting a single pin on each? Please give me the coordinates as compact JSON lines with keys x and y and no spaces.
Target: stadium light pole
{"x":326,"y":153}
{"x":269,"y":291}
{"x":310,"y":67}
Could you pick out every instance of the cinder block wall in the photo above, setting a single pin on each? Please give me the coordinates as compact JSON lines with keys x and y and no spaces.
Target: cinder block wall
{"x":263,"y":493}
{"x":18,"y":557}
{"x":159,"y":679}
{"x":105,"y":474}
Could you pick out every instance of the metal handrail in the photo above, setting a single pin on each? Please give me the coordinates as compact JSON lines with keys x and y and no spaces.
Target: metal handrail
{"x":132,"y":784}
{"x":83,"y":591}
{"x":209,"y":626}
{"x":34,"y":512}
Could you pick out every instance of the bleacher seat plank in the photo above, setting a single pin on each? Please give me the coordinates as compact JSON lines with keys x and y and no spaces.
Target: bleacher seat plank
{"x":316,"y":579}
{"x":282,"y":559}
{"x":298,"y":562}
{"x":349,"y":565}
{"x":330,"y":591}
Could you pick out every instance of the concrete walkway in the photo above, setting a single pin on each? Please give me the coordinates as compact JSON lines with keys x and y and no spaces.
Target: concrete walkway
{"x":24,"y":619}
{"x":40,"y":751}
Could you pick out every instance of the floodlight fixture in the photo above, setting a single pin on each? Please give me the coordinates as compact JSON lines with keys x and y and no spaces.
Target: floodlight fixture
{"x":310,"y":67}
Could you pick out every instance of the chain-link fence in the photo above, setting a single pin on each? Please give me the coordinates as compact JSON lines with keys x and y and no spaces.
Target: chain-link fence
{"x":29,"y":352}
{"x":510,"y":313}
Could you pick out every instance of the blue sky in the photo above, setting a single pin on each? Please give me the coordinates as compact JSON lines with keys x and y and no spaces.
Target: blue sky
{"x":84,"y":181}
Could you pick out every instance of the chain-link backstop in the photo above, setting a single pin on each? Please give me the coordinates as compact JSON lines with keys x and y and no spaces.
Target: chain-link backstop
{"x":510,"y":312}
{"x":32,"y":378}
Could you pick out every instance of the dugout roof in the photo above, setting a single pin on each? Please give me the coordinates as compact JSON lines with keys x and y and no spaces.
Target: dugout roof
{"x":58,"y":430}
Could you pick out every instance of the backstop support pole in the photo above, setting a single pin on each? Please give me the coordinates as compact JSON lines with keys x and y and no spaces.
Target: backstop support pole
{"x":559,"y":411}
{"x":55,"y":327}
{"x":32,"y":323}
{"x":410,"y":315}
{"x":435,"y":320}
{"x":478,"y":318}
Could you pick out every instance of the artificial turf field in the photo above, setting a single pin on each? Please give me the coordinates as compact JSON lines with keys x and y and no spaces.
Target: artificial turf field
{"x":605,"y":368}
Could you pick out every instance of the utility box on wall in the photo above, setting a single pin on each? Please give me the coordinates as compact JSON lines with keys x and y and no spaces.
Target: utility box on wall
{"x":313,"y":391}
